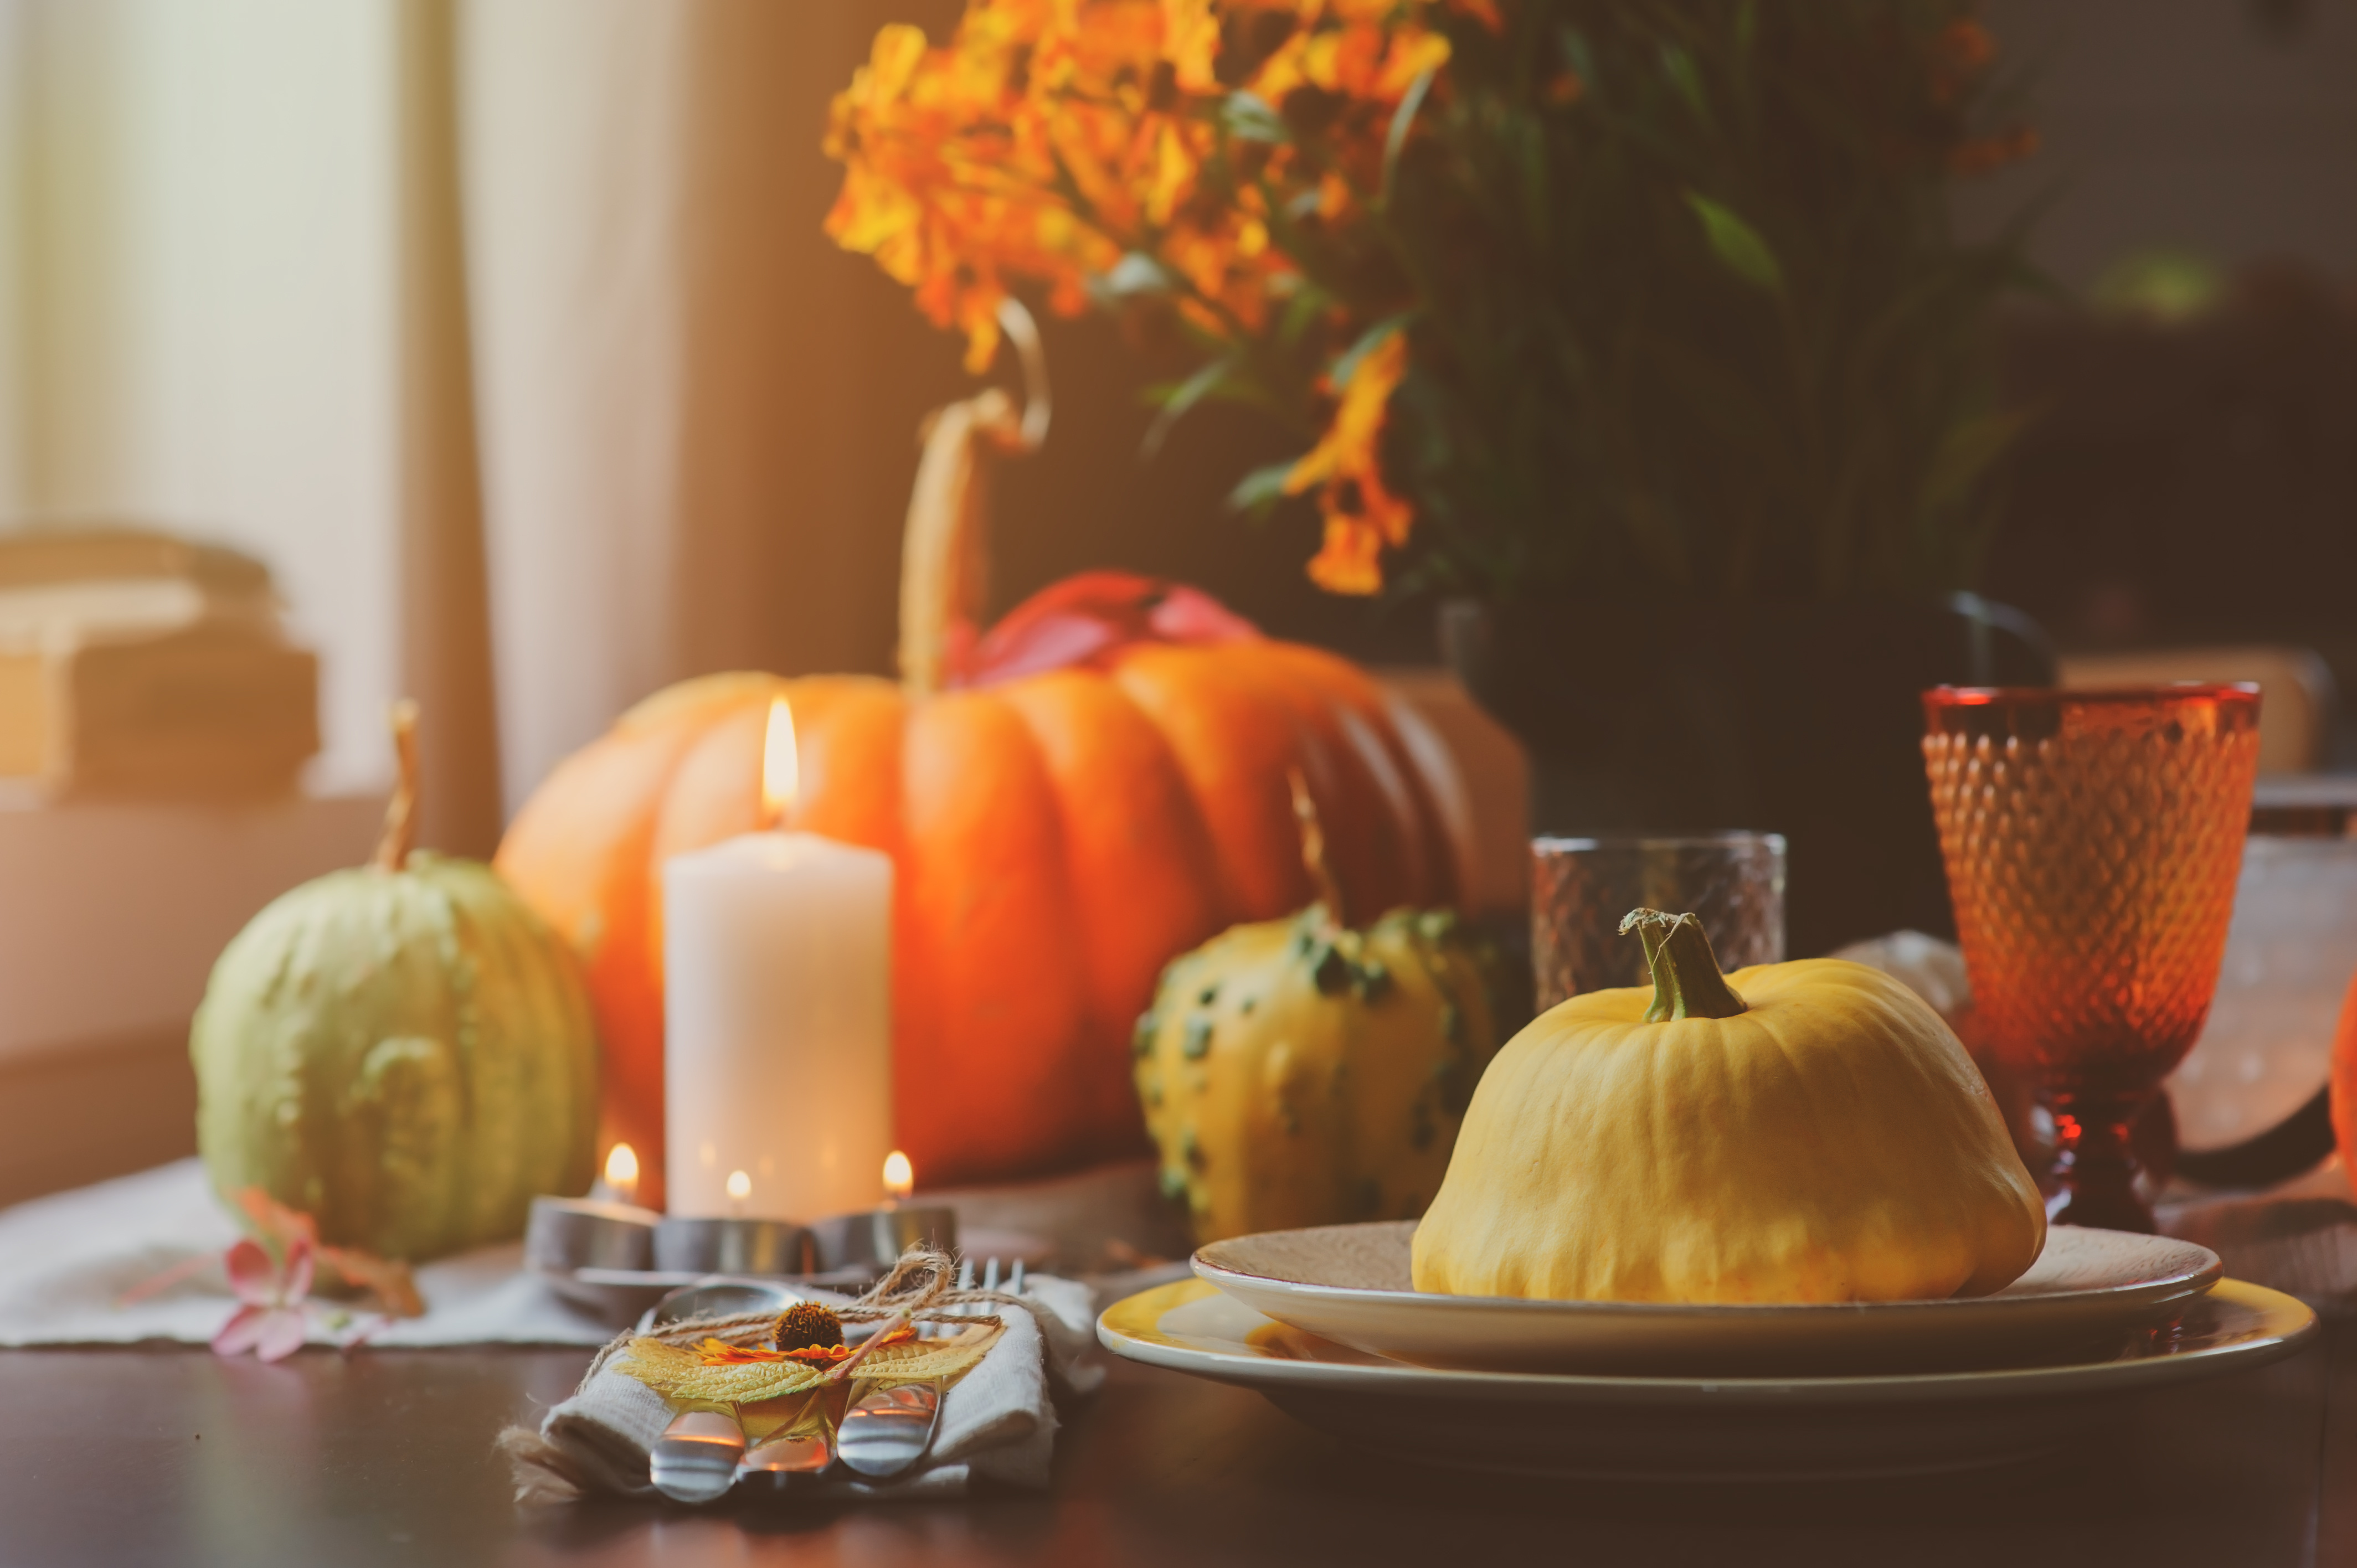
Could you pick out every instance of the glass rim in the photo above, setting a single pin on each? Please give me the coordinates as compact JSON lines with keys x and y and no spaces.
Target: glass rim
{"x":1574,"y":843}
{"x":2094,"y":697}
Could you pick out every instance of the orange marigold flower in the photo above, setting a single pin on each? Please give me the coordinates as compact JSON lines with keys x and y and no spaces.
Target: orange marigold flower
{"x":1192,"y":28}
{"x":1966,"y":46}
{"x":1961,"y":51}
{"x":1047,"y":140}
{"x":1349,"y":561}
{"x":1362,"y":515}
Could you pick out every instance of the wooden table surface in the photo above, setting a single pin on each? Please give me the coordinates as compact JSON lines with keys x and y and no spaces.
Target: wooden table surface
{"x":169,"y":1457}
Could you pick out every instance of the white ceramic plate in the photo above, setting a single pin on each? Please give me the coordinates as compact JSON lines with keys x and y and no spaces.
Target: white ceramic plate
{"x":1350,"y":1284}
{"x":1692,"y":1428}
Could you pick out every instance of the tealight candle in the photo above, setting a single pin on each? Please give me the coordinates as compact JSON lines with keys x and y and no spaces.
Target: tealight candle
{"x":621,"y":1181}
{"x":568,"y":1233}
{"x":777,"y":1039}
{"x":876,"y":1238}
{"x":731,"y":1246}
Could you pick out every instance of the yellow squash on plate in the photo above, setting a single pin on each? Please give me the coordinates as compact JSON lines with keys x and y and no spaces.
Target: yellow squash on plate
{"x":1806,"y":1131}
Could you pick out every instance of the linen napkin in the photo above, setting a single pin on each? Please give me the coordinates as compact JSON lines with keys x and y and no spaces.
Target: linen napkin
{"x":997,"y":1423}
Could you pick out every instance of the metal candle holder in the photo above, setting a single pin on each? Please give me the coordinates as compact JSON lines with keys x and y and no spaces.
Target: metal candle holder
{"x":568,"y":1233}
{"x":730,"y":1245}
{"x":877,"y":1237}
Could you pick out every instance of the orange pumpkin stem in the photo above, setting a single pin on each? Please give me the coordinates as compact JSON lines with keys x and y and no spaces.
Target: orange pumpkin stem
{"x":946,"y":546}
{"x":400,"y":812}
{"x":1686,"y":979}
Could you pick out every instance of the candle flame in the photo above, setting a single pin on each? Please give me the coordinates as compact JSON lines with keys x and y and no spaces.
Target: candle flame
{"x":740,"y":1185}
{"x":622,"y":1170}
{"x":781,"y":764}
{"x":900,"y":1175}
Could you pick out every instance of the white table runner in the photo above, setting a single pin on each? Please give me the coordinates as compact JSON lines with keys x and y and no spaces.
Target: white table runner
{"x":65,"y":1259}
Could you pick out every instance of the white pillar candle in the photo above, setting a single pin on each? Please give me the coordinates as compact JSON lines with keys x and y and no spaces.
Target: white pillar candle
{"x":777,"y":1022}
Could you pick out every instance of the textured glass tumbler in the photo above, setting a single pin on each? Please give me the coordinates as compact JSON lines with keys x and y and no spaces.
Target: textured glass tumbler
{"x":1580,"y":888}
{"x":2092,"y":841}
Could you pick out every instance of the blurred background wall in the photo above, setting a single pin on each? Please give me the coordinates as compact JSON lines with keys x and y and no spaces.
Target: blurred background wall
{"x":2191,"y":478}
{"x":2228,"y":127}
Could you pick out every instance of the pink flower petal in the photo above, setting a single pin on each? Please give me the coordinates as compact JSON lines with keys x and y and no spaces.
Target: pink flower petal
{"x":252,"y":1275}
{"x":283,"y":1332}
{"x":240,"y":1333}
{"x":298,"y":1282}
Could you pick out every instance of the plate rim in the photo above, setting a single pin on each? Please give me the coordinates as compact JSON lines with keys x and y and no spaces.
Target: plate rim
{"x":2150,"y":1292}
{"x":2288,"y":1326}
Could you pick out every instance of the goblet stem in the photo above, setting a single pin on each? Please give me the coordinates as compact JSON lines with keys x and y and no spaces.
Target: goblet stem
{"x":2094,"y":1178}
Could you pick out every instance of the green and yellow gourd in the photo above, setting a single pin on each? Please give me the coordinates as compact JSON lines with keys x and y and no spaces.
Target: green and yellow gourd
{"x":402,"y":1051}
{"x":1296,"y":1073}
{"x":1806,"y":1131}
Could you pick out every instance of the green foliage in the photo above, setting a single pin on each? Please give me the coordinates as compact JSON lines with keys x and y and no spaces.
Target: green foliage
{"x":1685,"y":309}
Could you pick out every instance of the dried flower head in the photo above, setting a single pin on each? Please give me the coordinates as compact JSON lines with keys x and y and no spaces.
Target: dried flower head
{"x":807,"y":1324}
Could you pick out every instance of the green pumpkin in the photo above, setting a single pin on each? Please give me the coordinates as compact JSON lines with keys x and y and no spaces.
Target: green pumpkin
{"x":405,"y":1055}
{"x":1296,"y":1073}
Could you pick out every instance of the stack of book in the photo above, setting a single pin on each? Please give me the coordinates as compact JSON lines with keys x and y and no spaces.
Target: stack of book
{"x":133,"y":664}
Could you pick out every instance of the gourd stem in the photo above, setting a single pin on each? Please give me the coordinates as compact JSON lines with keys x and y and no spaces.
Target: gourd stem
{"x":1313,"y":847}
{"x":945,"y":546}
{"x":400,"y":812}
{"x":1686,"y":980}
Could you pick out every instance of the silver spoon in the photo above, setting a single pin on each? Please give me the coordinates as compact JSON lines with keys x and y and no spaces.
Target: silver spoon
{"x":889,"y":1430}
{"x":695,"y":1458}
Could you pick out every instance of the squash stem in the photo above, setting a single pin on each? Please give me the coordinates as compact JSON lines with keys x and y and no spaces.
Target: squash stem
{"x":1322,"y":886}
{"x":1686,"y":980}
{"x":400,"y":812}
{"x":945,"y":546}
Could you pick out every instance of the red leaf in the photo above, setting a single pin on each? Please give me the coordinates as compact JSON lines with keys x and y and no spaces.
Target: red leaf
{"x":1085,"y":621}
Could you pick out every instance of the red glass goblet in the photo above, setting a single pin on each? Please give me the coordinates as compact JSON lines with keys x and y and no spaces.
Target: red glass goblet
{"x":2092,"y":841}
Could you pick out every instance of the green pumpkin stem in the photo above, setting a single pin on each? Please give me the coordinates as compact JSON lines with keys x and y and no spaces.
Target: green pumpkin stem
{"x":1323,"y":887}
{"x":1686,"y":981}
{"x":400,"y":812}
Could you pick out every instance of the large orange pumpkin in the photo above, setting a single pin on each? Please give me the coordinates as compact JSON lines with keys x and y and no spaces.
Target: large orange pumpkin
{"x":1070,"y":803}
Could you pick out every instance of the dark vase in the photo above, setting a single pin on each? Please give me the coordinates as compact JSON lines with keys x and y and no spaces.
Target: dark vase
{"x":1803,"y":719}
